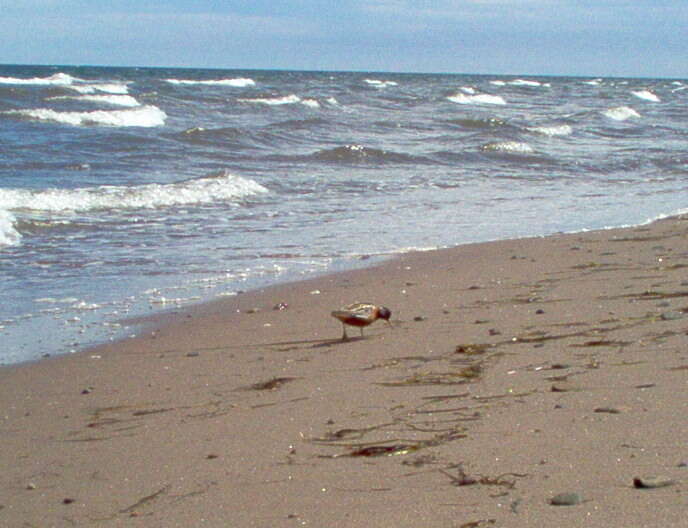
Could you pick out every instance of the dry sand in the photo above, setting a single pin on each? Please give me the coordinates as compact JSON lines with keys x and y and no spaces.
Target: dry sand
{"x":515,"y":371}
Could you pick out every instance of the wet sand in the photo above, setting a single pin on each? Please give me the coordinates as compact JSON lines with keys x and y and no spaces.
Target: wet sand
{"x":515,"y":371}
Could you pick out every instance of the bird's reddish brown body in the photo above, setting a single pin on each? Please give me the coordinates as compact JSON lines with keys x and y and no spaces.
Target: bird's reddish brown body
{"x":361,"y":315}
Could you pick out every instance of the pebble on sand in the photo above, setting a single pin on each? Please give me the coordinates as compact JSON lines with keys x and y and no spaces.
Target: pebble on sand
{"x":652,"y":482}
{"x":566,"y":499}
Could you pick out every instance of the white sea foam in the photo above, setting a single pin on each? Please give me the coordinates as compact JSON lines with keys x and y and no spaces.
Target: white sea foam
{"x":520,"y":82}
{"x":509,"y":146}
{"x":68,"y":81}
{"x":224,"y":187}
{"x":312,"y":103}
{"x":526,"y":82}
{"x":646,"y":95}
{"x":620,"y":113}
{"x":115,"y":100}
{"x":9,"y":236}
{"x":285,"y":100}
{"x":468,"y":90}
{"x":377,"y":83}
{"x":59,"y":79}
{"x":110,"y":88}
{"x":144,"y":116}
{"x":53,"y":300}
{"x":235,"y":83}
{"x":461,"y":98}
{"x":554,"y":130}
{"x":593,"y":82}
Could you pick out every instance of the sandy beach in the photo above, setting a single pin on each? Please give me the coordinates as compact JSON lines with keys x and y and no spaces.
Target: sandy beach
{"x":535,"y":382}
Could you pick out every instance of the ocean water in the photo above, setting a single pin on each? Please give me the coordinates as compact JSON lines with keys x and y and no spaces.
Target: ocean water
{"x":124,"y":191}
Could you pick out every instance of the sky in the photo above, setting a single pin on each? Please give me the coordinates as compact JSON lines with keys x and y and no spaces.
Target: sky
{"x":622,"y":38}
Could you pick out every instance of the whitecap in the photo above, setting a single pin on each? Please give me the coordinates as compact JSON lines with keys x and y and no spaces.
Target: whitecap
{"x":59,"y":79}
{"x":593,"y":82}
{"x":9,"y":236}
{"x":498,"y":83}
{"x":554,"y":130}
{"x":461,"y":98}
{"x":109,"y":88}
{"x":115,"y":100}
{"x":509,"y":146}
{"x":646,"y":95}
{"x":468,"y":90}
{"x":620,"y":113}
{"x":277,"y":101}
{"x":144,"y":116}
{"x":84,"y":306}
{"x":377,"y":83}
{"x":312,"y":103}
{"x":224,"y":187}
{"x":526,"y":82}
{"x":53,"y":300}
{"x":235,"y":83}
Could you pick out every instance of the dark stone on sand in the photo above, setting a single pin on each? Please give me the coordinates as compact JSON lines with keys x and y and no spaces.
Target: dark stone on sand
{"x":566,"y":499}
{"x":539,"y":311}
{"x":419,"y":318}
{"x":652,"y":482}
{"x":672,"y":316}
{"x":610,"y":410}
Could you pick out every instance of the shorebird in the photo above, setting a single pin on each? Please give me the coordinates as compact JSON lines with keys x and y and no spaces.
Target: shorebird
{"x":361,"y":314}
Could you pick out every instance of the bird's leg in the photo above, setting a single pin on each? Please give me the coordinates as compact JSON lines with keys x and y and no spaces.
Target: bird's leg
{"x":361,"y":331}
{"x":344,"y":336}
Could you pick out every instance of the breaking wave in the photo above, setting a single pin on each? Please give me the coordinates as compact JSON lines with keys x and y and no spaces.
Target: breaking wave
{"x":379,"y":84}
{"x":515,"y":147}
{"x":235,"y":83}
{"x":521,"y":82}
{"x":462,"y":98}
{"x":620,"y":113}
{"x":59,"y":79}
{"x":223,"y":187}
{"x":554,"y":130}
{"x":110,"y":88}
{"x":646,"y":95}
{"x":115,"y":100}
{"x":68,"y":81}
{"x":9,"y":236}
{"x":144,"y":116}
{"x":285,"y":100}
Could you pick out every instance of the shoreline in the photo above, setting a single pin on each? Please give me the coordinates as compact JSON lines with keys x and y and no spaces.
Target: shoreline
{"x":515,"y":370}
{"x":137,"y":323}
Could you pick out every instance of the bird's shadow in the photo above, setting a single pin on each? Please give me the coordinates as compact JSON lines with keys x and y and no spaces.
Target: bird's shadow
{"x":316,"y":343}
